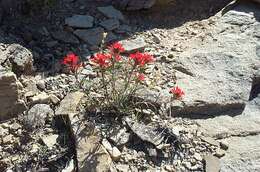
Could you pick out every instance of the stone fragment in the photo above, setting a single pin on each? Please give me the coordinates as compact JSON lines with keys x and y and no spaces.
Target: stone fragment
{"x":69,"y":104}
{"x":50,"y":140}
{"x":54,"y":99}
{"x":220,"y":153}
{"x":91,"y":156}
{"x":212,"y":164}
{"x":111,"y":12}
{"x":110,"y":24}
{"x":65,"y":37}
{"x":112,"y":150}
{"x":93,"y":36}
{"x":21,"y":59}
{"x":123,"y":168}
{"x":11,"y":100}
{"x":146,"y":133}
{"x":40,"y":98}
{"x":37,"y":116}
{"x":80,"y":21}
{"x":133,"y":45}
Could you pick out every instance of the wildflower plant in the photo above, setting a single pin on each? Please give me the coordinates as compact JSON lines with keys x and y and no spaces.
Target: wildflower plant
{"x":118,"y":78}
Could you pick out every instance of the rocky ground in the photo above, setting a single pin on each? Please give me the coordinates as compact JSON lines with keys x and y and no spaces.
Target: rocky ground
{"x":212,"y":52}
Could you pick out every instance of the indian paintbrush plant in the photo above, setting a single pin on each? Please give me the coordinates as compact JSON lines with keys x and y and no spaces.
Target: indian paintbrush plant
{"x":118,"y":79}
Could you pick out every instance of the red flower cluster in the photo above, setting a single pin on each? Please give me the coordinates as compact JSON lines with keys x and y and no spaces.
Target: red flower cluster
{"x":177,"y":92}
{"x":103,"y":60}
{"x":141,"y":59}
{"x":72,"y":61}
{"x":116,"y":48}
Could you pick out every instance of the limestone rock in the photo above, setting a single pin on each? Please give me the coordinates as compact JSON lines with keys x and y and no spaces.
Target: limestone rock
{"x":69,"y":104}
{"x":50,"y":140}
{"x":93,"y":36}
{"x":111,"y":12}
{"x":37,"y":116}
{"x":21,"y":58}
{"x":217,"y":75}
{"x":133,"y":45}
{"x":11,"y":100}
{"x":80,"y":21}
{"x":243,"y":154}
{"x":92,"y":157}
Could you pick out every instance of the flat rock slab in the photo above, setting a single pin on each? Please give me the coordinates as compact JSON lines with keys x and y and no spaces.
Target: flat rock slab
{"x":93,"y":36}
{"x":111,"y":12}
{"x":217,"y":75}
{"x":80,"y":21}
{"x":243,"y":154}
{"x":110,"y":24}
{"x":226,"y":126}
{"x":133,"y":45}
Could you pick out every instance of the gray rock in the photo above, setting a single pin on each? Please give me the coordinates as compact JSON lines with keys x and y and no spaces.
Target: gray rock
{"x":212,"y":163}
{"x":93,"y":37}
{"x":37,"y":116}
{"x":69,"y":104}
{"x":111,"y":12}
{"x":40,"y":98}
{"x":135,"y":4}
{"x":225,"y":126}
{"x":11,"y":99}
{"x":243,"y":154}
{"x":91,"y":156}
{"x":217,"y":76}
{"x":110,"y":24}
{"x":65,"y":37}
{"x":80,"y":21}
{"x":146,"y":133}
{"x":133,"y":45}
{"x":50,"y":140}
{"x":21,"y":58}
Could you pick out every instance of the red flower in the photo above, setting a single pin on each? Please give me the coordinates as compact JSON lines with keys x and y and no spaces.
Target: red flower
{"x":177,"y":92}
{"x":103,"y":60}
{"x":141,"y":59}
{"x":116,"y":48}
{"x":140,"y":76}
{"x":72,"y":61}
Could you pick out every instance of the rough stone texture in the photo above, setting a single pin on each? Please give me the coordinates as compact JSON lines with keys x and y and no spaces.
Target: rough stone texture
{"x":111,"y":12}
{"x":37,"y":115}
{"x":226,"y":126}
{"x":21,"y":59}
{"x":65,"y":37}
{"x":133,"y":45}
{"x":91,"y":156}
{"x":110,"y":24}
{"x":69,"y":104}
{"x":10,"y":95}
{"x":80,"y":21}
{"x":217,"y":75}
{"x":212,"y":163}
{"x":243,"y":155}
{"x":91,"y":36}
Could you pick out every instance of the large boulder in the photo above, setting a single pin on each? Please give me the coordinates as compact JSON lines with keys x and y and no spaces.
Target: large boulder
{"x":10,"y":95}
